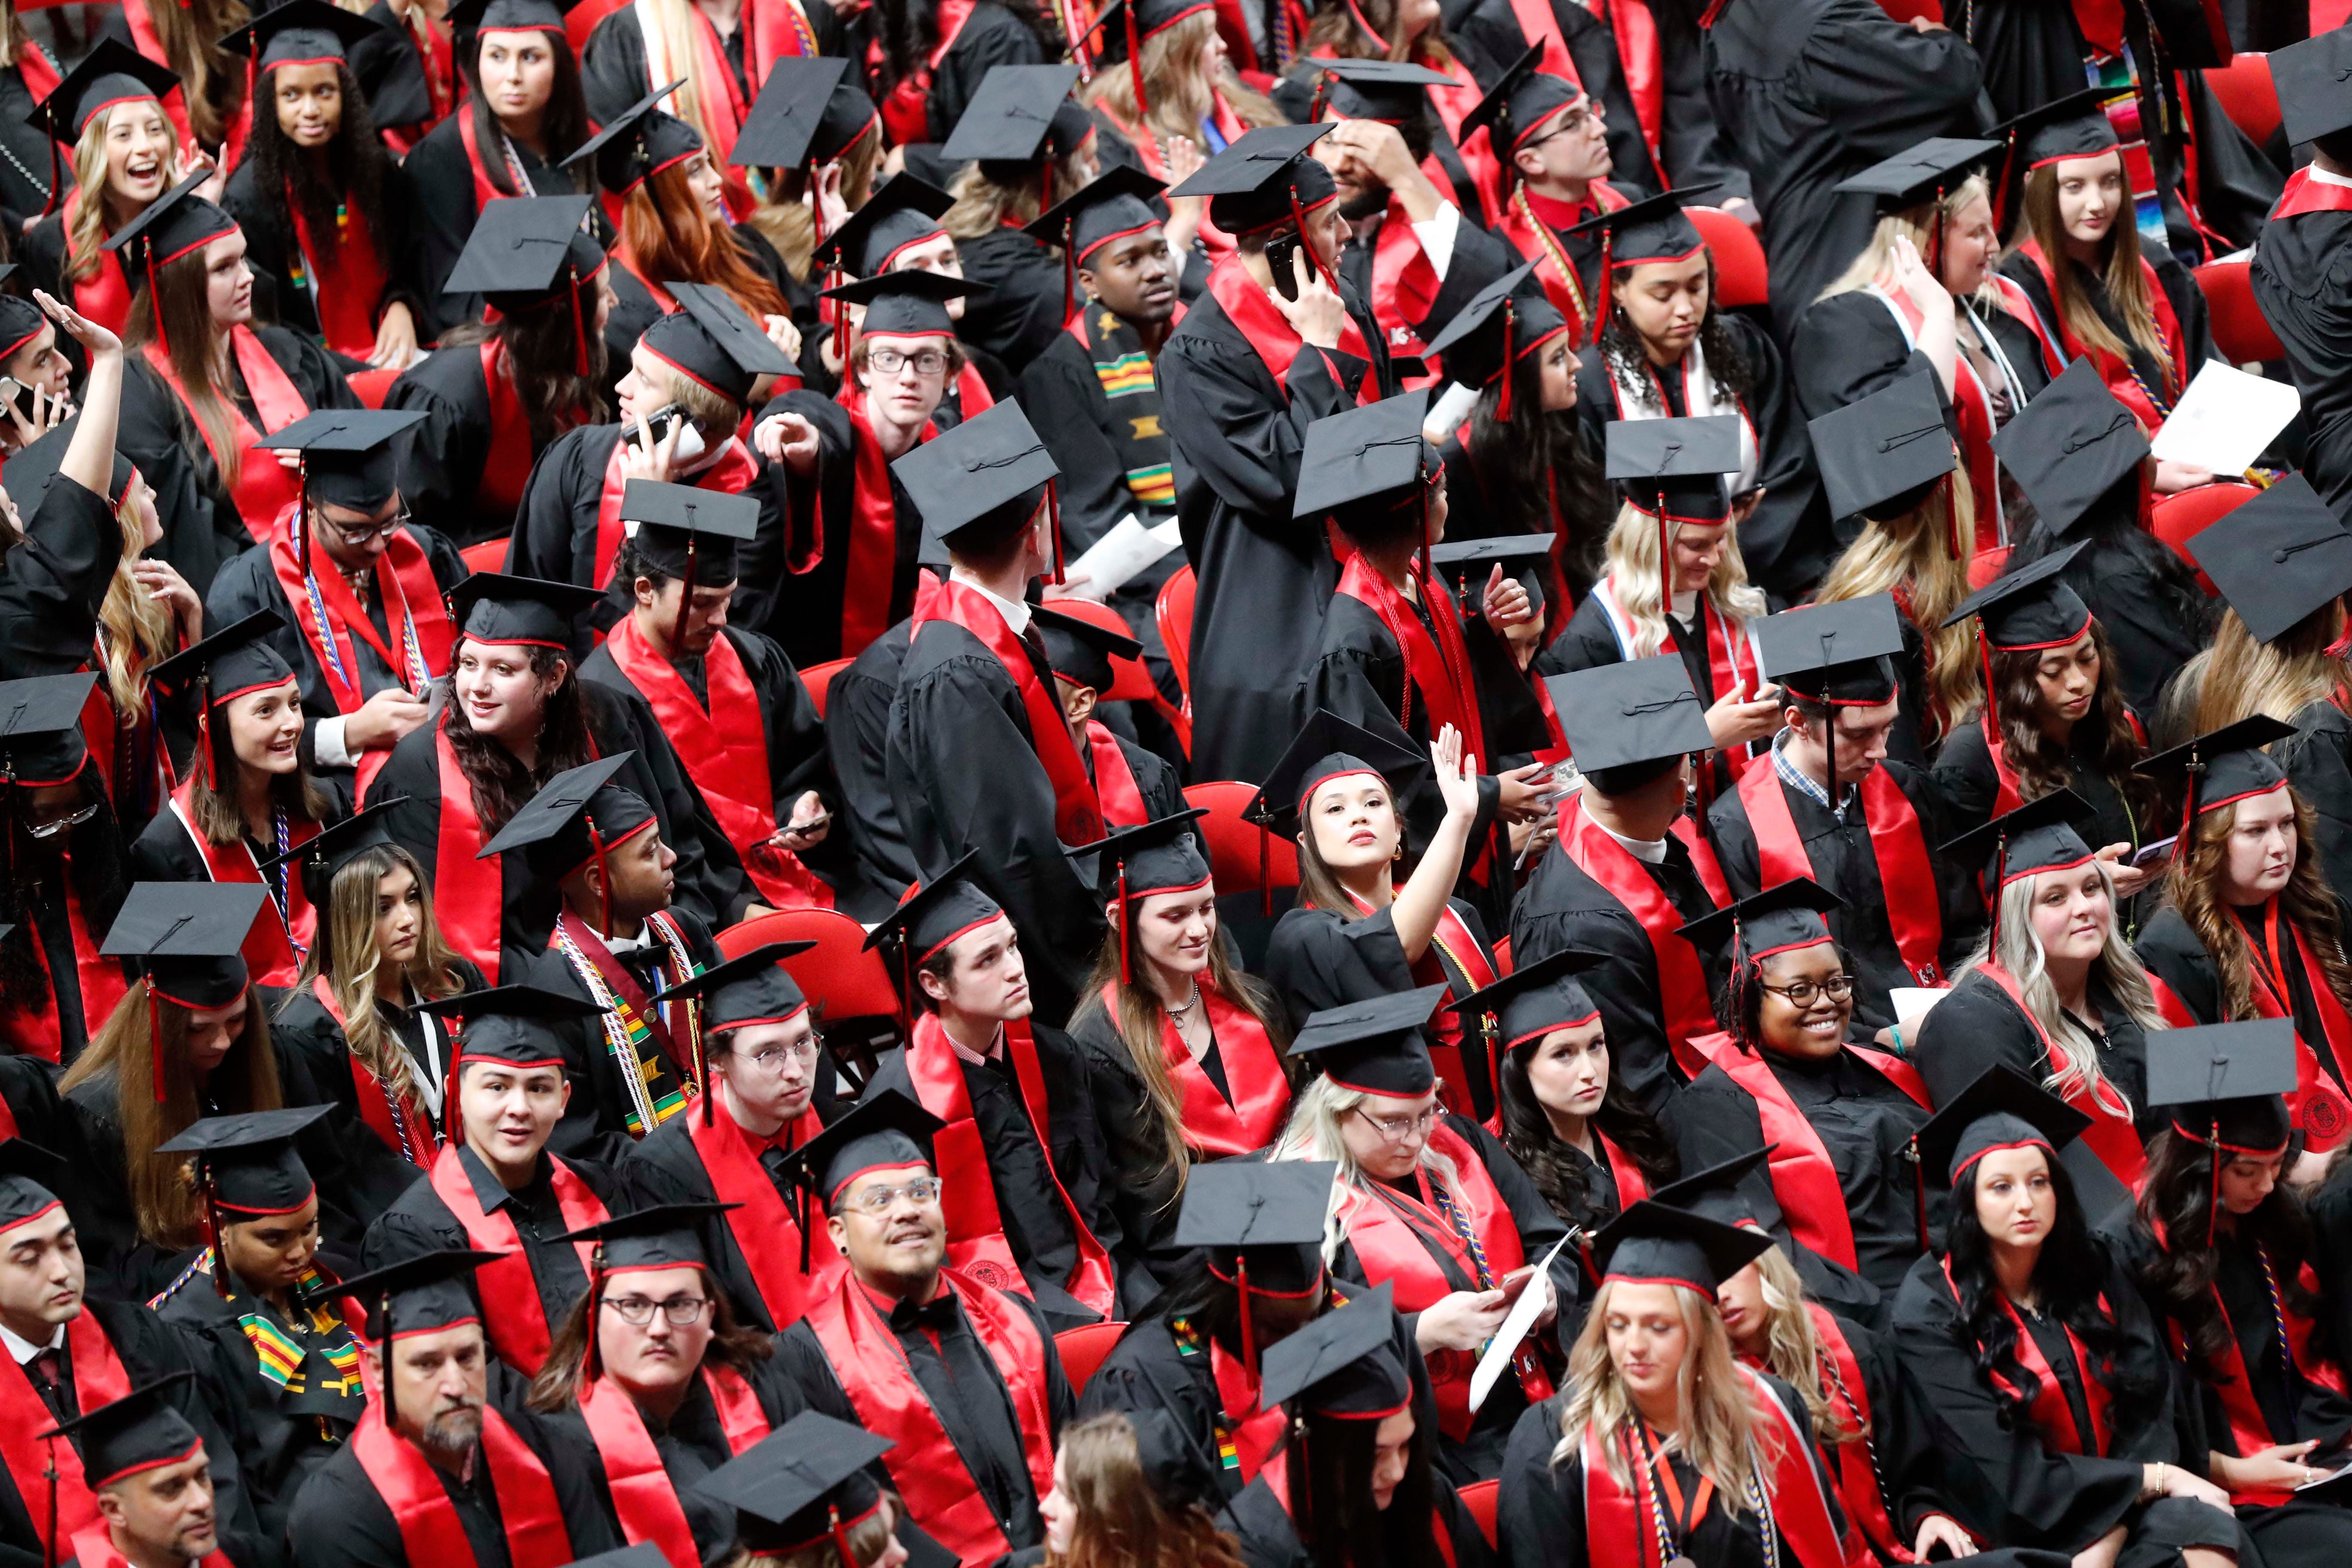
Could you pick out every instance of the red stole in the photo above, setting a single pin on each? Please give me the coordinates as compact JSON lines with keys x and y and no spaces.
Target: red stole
{"x":105,"y":295}
{"x":1803,"y":1177}
{"x":1261,"y":1095}
{"x":645,"y":1500}
{"x":349,"y":287}
{"x":2320,"y":1107}
{"x":1115,"y":786}
{"x":1642,"y":60}
{"x":1540,"y":24}
{"x":725,"y":752}
{"x":2008,"y":792}
{"x":264,"y":486}
{"x":1078,"y":810}
{"x":871,"y":555}
{"x":94,"y":1548}
{"x":473,"y":924}
{"x":1856,"y":1478}
{"x":764,"y":1230}
{"x":410,"y":1135}
{"x":512,"y":1314}
{"x":1438,"y":668}
{"x":1681,"y":980}
{"x":731,"y":474}
{"x":1252,"y":1432}
{"x":1731,"y":661}
{"x":269,"y":945}
{"x":1405,"y":284}
{"x":430,"y":1533}
{"x":1402,"y":1239}
{"x":1632,"y":1185}
{"x":99,"y":1379}
{"x":2113,"y":370}
{"x":770,"y":32}
{"x":149,"y":43}
{"x":97,"y":980}
{"x":505,"y":467}
{"x":1907,"y":879}
{"x":976,"y":1244}
{"x":907,"y":110}
{"x":484,"y":193}
{"x":2051,"y":1412}
{"x":1254,"y":315}
{"x":2302,"y":194}
{"x":1532,"y":236}
{"x":2110,"y":1135}
{"x":1970,"y":397}
{"x":924,"y":1465}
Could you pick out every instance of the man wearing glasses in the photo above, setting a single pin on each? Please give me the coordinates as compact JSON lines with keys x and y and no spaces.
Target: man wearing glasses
{"x":1557,"y":143}
{"x":359,"y":585}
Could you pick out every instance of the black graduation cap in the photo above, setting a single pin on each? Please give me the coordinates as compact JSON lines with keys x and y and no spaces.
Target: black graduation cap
{"x":750,"y":989}
{"x":981,"y":482}
{"x":1627,"y":724}
{"x":1081,"y":651}
{"x":1881,"y":455}
{"x":2309,"y":77}
{"x":2221,"y":767}
{"x":29,"y":473}
{"x":1716,"y":1192}
{"x":2002,"y":1109}
{"x":1676,"y":469}
{"x":949,"y":905}
{"x":2041,"y":836}
{"x":1328,"y":747}
{"x":2031,"y":608}
{"x":1782,"y":917}
{"x":659,"y":1235}
{"x":30,"y":1180}
{"x":639,"y":143}
{"x":421,"y":1295}
{"x":2075,"y":126}
{"x":1391,"y":91}
{"x":644,"y":1554}
{"x":714,"y":342}
{"x":232,"y":661}
{"x":1841,"y":653}
{"x":784,"y":123}
{"x":1344,"y":1363}
{"x":190,"y":935}
{"x":1150,"y":18}
{"x":888,"y":1130}
{"x":1009,"y":118}
{"x":512,"y":1025}
{"x":1115,"y":204}
{"x":2280,"y":557}
{"x":1519,"y":104}
{"x":1175,"y":1465}
{"x":1366,"y":468}
{"x":247,"y":1164}
{"x":21,"y":322}
{"x":905,"y":304}
{"x":144,"y":1430}
{"x":1654,"y":1243}
{"x":2071,"y":445}
{"x":1921,"y":173}
{"x":348,"y":456}
{"x":2225,"y":1083}
{"x":172,"y":226}
{"x":502,"y":611}
{"x":1533,"y":1000}
{"x":1162,"y":857}
{"x":1652,"y":229}
{"x":336,"y":845}
{"x":111,"y":73}
{"x":1262,"y":1222}
{"x":40,"y":729}
{"x":578,"y":815}
{"x":524,"y":252}
{"x":508,"y":15}
{"x":1504,"y":322}
{"x":1265,"y":179}
{"x":690,"y":532}
{"x":905,"y":212}
{"x":804,"y":1483}
{"x":1504,"y":548}
{"x":1375,"y":1046}
{"x":300,"y":32}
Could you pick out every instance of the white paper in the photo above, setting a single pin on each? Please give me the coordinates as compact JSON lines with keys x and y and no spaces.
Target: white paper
{"x":2225,"y":419}
{"x":1446,"y":414}
{"x":1516,"y":1324}
{"x":1118,"y":555}
{"x":1910,"y":1001}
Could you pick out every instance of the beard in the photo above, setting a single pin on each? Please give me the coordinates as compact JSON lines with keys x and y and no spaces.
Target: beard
{"x":1370,"y":202}
{"x":453,"y":1432}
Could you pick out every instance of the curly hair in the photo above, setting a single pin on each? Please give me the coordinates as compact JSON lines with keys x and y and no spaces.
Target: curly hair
{"x":1537,"y":474}
{"x":1566,"y":1183}
{"x":357,"y":166}
{"x":556,"y":1386}
{"x":2044,"y":766}
{"x":1622,"y":350}
{"x":501,"y":784}
{"x":2175,"y":1204}
{"x":2194,"y":887}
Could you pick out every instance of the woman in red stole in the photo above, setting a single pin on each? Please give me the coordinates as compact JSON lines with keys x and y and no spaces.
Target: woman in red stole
{"x":1665,"y":1449}
{"x":1185,"y":1050}
{"x":668,"y":1384}
{"x":2041,"y":1410}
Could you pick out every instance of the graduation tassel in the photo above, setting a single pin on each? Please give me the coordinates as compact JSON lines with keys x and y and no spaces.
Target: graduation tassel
{"x":1126,"y":935}
{"x":1249,"y":1330}
{"x":603,"y":880}
{"x":685,"y":591}
{"x":2000,"y":880}
{"x":1951,"y":515}
{"x":834,"y":1528}
{"x":1264,"y":868}
{"x":801,"y":1219}
{"x":2214,"y":1199}
{"x":155,"y":303}
{"x":1053,"y":522}
{"x":2189,"y":804}
{"x":1298,"y":216}
{"x":154,"y":1040}
{"x":1510,"y":317}
{"x":592,"y":1365}
{"x":1919,"y":1189}
{"x":579,"y":326}
{"x":1069,"y":269}
{"x":212,"y":1214}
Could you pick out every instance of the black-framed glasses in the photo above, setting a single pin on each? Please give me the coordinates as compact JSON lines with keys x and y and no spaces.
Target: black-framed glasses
{"x":638,"y":1311}
{"x":1805,"y":992}
{"x":358,"y":534}
{"x":890,"y":362}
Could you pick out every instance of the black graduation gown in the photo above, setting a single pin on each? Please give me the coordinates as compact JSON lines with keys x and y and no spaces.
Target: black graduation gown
{"x":1082,"y":428}
{"x":2318,"y":762}
{"x":613,"y":62}
{"x":1141,"y":1188}
{"x":29,"y":1088}
{"x":857,"y":737}
{"x":1844,"y":862}
{"x":1968,"y":787}
{"x":992,"y":36}
{"x":391,"y":74}
{"x":2299,"y":270}
{"x":957,"y":1375}
{"x":709,"y":879}
{"x":2180,"y":285}
{"x":25,"y":171}
{"x":341,"y":1520}
{"x":964,"y":772}
{"x":1539,"y":1514}
{"x":1488,"y":37}
{"x":271,"y":247}
{"x":2173,"y":955}
{"x":1264,"y":580}
{"x":1806,"y":95}
{"x":53,"y":582}
{"x":1259,"y":1522}
{"x":1024,"y":306}
{"x":2156,"y":619}
{"x":1850,"y":345}
{"x":249,"y":584}
{"x":441,"y":465}
{"x":444,"y":184}
{"x":1787,"y":541}
{"x":2331,"y":1241}
{"x":1155,"y":1367}
{"x":1036,"y":1224}
{"x":45,"y":918}
{"x":419,"y":1222}
{"x":663,"y":1167}
{"x":1478,"y":259}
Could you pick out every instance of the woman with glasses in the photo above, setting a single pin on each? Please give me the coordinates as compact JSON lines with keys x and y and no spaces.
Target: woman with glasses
{"x":1431,"y":1204}
{"x":667,"y":1385}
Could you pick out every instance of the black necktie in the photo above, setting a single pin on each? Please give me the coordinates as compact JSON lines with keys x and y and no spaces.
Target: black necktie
{"x":48,"y":1371}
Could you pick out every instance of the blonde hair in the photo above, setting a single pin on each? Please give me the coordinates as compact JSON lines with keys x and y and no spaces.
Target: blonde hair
{"x":2280,"y":678}
{"x":1637,"y":578}
{"x":2020,"y":954}
{"x":2126,"y":283}
{"x":84,"y":240}
{"x":138,"y":629}
{"x":1913,"y":553}
{"x":348,"y":922}
{"x":1181,"y":95}
{"x":1715,"y":1428}
{"x":1917,"y":224}
{"x":984,"y":206}
{"x":1792,"y":1351}
{"x":1313,"y":1133}
{"x":785,"y":210}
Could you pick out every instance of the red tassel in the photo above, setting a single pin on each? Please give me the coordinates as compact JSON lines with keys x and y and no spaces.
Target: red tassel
{"x":1069,"y":267}
{"x":154,"y":303}
{"x":1510,"y":325}
{"x":1249,"y":1330}
{"x":1298,"y":216}
{"x":2213,"y":1205}
{"x":841,"y":1537}
{"x":1951,"y":516}
{"x":579,"y":326}
{"x":1053,"y":522}
{"x":1126,"y":937}
{"x":684,"y":600}
{"x":592,"y":1367}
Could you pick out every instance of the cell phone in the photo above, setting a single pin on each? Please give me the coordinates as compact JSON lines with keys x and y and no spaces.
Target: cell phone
{"x":2150,"y":854}
{"x":1515,"y":1282}
{"x":16,"y":394}
{"x":436,"y":698}
{"x":657,"y":423}
{"x":1278,"y":253}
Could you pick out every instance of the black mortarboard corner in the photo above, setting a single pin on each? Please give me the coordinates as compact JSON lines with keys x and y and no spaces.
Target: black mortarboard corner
{"x":2002,"y":1109}
{"x":246,"y":1165}
{"x":111,"y":73}
{"x":334,"y":846}
{"x":349,"y":457}
{"x":1081,"y":651}
{"x":29,"y":473}
{"x":479,"y":17}
{"x":1114,"y":204}
{"x":639,"y":143}
{"x":1782,"y":918}
{"x":1627,"y":724}
{"x":2042,"y":835}
{"x":1261,"y":1225}
{"x":2031,"y":608}
{"x":40,"y":729}
{"x":802,"y":1484}
{"x":1368,"y":470}
{"x":1162,"y":857}
{"x":1921,"y":173}
{"x":2226,"y":1086}
{"x":1374,"y":1046}
{"x":1264,"y":180}
{"x":144,"y":1430}
{"x":945,"y":908}
{"x":749,"y":990}
{"x":30,"y":1180}
{"x":2218,"y":769}
{"x":1652,"y":229}
{"x":1882,"y":455}
{"x":2071,"y":446}
{"x":1654,"y":1243}
{"x":1839,"y":654}
{"x":657,"y":1236}
{"x":1529,"y":1003}
{"x":1461,"y":562}
{"x":1522,"y":99}
{"x":782,"y":128}
{"x":1016,"y":117}
{"x":523,"y":252}
{"x":1502,"y":324}
{"x":980,"y":483}
{"x":2075,"y":126}
{"x":689,"y":534}
{"x":905,"y":212}
{"x":21,"y":322}
{"x":190,"y":937}
{"x":2281,"y":557}
{"x":176,"y":224}
{"x":1718,"y":1192}
{"x":1124,"y":29}
{"x":1345,"y":1364}
{"x":300,"y":33}
{"x":2311,"y":76}
{"x":1676,"y":470}
{"x":577,"y":817}
{"x":1391,"y":91}
{"x":233,"y":662}
{"x":714,"y":342}
{"x":425,"y":1294}
{"x":499,"y":611}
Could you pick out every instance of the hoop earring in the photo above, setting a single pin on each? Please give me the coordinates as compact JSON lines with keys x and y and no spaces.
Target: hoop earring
{"x":1398,"y":853}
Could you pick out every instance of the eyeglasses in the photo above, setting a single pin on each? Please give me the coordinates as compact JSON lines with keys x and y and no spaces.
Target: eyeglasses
{"x":1397,"y":1129}
{"x":923,"y":1192}
{"x":637,"y":1311}
{"x":770,"y":1060}
{"x":1573,"y":121}
{"x":66,"y":824}
{"x":890,"y":362}
{"x":1805,"y":992}
{"x":361,"y":533}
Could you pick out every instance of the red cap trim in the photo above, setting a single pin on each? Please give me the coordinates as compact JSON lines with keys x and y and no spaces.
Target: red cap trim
{"x":54,"y":1204}
{"x":1354,"y":1415}
{"x":1530,"y":347}
{"x":892,"y":254}
{"x":2200,"y":1139}
{"x":1285,"y":217}
{"x":1106,"y":239}
{"x":464,"y":1061}
{"x":294,"y":682}
{"x":320,"y":61}
{"x":1617,"y":263}
{"x":10,"y":351}
{"x":1523,"y":138}
{"x":240,"y":1209}
{"x":190,"y":1452}
{"x":1307,"y":795}
{"x":714,"y":391}
{"x":92,"y":110}
{"x":2070,"y":157}
{"x":176,"y":1002}
{"x":1550,"y":1029}
{"x":834,"y":1195}
{"x":949,"y":940}
{"x":611,"y":844}
{"x":1970,"y":1164}
{"x":1705,"y":1290}
{"x":659,"y":168}
{"x":437,"y":1329}
{"x":2204,"y":805}
{"x":825,"y":1535}
{"x":2074,"y":636}
{"x":1322,"y":1279}
{"x":194,"y":246}
{"x":2038,"y":870}
{"x":709,"y":1028}
{"x":480,"y":641}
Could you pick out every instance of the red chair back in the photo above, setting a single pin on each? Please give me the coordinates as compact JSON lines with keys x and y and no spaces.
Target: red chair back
{"x":2248,"y":95}
{"x":838,"y":974}
{"x":489,"y":555}
{"x":1741,"y":278}
{"x":2239,"y":330}
{"x":818,"y":678}
{"x":1082,"y":1350}
{"x":1235,"y":841}
{"x":371,"y":387}
{"x":1478,"y":1496}
{"x":2178,"y":518}
{"x":1131,"y":680}
{"x":1175,"y":612}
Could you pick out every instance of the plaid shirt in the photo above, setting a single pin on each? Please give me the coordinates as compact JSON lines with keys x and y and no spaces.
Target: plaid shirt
{"x":1797,"y":779}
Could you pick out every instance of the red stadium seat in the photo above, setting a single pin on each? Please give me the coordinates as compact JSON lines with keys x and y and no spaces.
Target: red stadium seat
{"x":1478,"y":1496}
{"x":1503,"y":955}
{"x":2239,"y":330}
{"x":1083,"y":1349}
{"x":2177,"y":518}
{"x":489,"y":555}
{"x":838,"y":974}
{"x":1235,"y":841}
{"x":2247,"y":94}
{"x":1740,"y":276}
{"x":370,"y":385}
{"x":818,"y":678}
{"x":1175,"y":612}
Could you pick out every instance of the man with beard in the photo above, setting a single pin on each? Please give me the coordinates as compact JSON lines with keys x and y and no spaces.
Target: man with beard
{"x":148,"y":1472}
{"x":438,"y":1471}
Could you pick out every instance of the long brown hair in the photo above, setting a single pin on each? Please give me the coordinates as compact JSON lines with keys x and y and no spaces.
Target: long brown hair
{"x":2241,"y":676}
{"x":219,"y":816}
{"x":245,"y":1079}
{"x":501,"y":784}
{"x":671,"y":236}
{"x":347,"y":957}
{"x":2126,"y":283}
{"x":2194,"y":887}
{"x":984,"y":206}
{"x":197,"y":351}
{"x":543,"y":352}
{"x":556,"y":1386}
{"x":189,"y":32}
{"x":1179,"y":93}
{"x":1913,"y":553}
{"x":2042,"y":764}
{"x":1118,"y":1520}
{"x":563,"y":125}
{"x":1334,"y":30}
